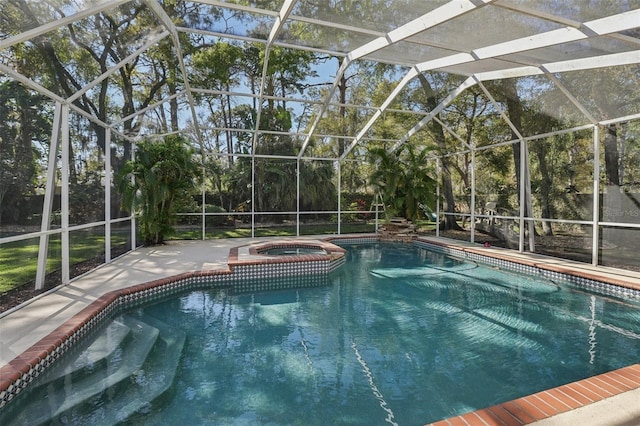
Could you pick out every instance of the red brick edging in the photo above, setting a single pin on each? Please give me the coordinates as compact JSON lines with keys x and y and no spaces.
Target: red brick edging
{"x":548,"y":403}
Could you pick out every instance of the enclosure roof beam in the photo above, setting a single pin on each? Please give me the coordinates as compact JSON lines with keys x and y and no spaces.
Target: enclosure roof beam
{"x":289,"y":99}
{"x":444,"y":13}
{"x":147,"y":108}
{"x":503,"y":115}
{"x":327,"y":100}
{"x":259,"y":40}
{"x":631,"y":117}
{"x":413,"y":72}
{"x":452,"y":132}
{"x":46,"y":92}
{"x":152,"y":41}
{"x":620,"y":22}
{"x":305,"y":19}
{"x":572,"y":98}
{"x":285,"y":11}
{"x":615,"y":23}
{"x":601,"y":61}
{"x":451,"y":10}
{"x":169,"y":25}
{"x":54,"y":25}
{"x":30,"y":83}
{"x":441,"y":106}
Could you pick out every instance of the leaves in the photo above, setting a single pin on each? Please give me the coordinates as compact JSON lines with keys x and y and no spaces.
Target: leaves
{"x":403,"y":180}
{"x":154,"y":185}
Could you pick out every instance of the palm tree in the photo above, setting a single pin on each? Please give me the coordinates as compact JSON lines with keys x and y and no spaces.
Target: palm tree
{"x":403,"y":181}
{"x":162,"y":176}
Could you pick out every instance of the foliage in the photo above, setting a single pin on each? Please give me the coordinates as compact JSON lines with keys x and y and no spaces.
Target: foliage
{"x":353,"y":201}
{"x":156,"y":183}
{"x":24,"y":130}
{"x":76,"y":54}
{"x":217,"y":220}
{"x":404,"y":181}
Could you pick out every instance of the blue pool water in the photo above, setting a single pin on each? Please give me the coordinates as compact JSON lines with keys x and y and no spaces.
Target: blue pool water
{"x":400,"y":336}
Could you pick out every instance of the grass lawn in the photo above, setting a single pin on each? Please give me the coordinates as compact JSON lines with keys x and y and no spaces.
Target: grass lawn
{"x":272,"y":231}
{"x":19,"y":259}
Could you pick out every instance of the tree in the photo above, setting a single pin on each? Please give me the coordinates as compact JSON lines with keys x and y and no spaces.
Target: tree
{"x":22,"y":125}
{"x":156,"y":183}
{"x":67,"y":60}
{"x":437,"y":133}
{"x":403,"y":181}
{"x":218,"y":67}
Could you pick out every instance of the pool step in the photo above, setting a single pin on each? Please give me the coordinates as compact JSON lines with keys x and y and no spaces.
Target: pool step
{"x":95,"y":356}
{"x":156,"y":377}
{"x":127,"y":376}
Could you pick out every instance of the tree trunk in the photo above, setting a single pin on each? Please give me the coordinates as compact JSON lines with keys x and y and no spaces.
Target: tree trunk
{"x":611,"y":155}
{"x":545,"y":188}
{"x":342,"y":87}
{"x":449,"y":221}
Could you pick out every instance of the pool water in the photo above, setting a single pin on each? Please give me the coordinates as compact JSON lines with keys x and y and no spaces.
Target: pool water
{"x":401,"y":336}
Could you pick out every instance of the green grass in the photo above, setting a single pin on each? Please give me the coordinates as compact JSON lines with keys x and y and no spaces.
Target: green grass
{"x":19,"y":259}
{"x":272,"y":231}
{"x":19,"y":262}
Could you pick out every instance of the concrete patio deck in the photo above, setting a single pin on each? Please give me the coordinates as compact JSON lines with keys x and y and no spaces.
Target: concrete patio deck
{"x":23,"y":326}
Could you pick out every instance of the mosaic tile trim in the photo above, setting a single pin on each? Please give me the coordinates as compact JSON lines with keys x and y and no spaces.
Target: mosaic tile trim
{"x":281,"y":283}
{"x":535,"y":269}
{"x":355,"y":239}
{"x":20,"y":372}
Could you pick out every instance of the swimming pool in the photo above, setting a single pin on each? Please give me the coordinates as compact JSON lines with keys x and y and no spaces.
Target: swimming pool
{"x":395,"y":334}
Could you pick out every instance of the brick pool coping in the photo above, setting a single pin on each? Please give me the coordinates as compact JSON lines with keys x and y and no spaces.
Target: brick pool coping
{"x":551,"y":402}
{"x":22,"y":370}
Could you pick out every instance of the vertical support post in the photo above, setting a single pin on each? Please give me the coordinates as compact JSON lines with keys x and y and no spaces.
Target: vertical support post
{"x":376,"y":201}
{"x":204,"y":202}
{"x":133,"y":213}
{"x":339,"y":192}
{"x":64,"y":128}
{"x":47,"y":207}
{"x":595,"y":238}
{"x":107,"y":196}
{"x":473,"y":194}
{"x":439,"y":180}
{"x":530,"y":224}
{"x":253,"y":195}
{"x":297,"y":197}
{"x":521,"y":196}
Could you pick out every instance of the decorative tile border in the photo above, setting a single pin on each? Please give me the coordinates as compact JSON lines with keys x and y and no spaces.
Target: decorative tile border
{"x":550,"y":271}
{"x":260,"y":265}
{"x":355,"y":239}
